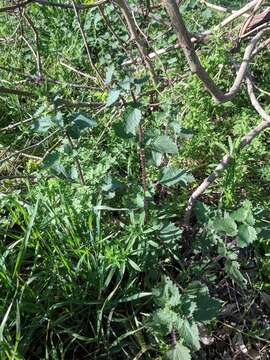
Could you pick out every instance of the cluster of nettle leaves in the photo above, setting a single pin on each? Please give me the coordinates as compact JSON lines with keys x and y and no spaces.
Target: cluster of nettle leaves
{"x":155,"y":143}
{"x":179,"y":311}
{"x":227,"y":232}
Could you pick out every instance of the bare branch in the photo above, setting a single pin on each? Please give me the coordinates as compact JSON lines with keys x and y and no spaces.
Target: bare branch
{"x":36,"y":53}
{"x":23,"y":4}
{"x":87,"y":48}
{"x":18,"y":92}
{"x":246,"y":140}
{"x":194,"y":62}
{"x":221,"y":8}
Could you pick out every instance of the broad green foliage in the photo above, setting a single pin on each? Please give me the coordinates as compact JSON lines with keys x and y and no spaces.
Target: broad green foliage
{"x":180,"y":313}
{"x":95,"y":261}
{"x":224,"y":230}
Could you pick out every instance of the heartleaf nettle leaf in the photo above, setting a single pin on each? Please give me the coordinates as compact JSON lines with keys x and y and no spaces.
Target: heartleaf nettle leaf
{"x":172,"y":176}
{"x":80,"y":122}
{"x":190,"y":334}
{"x":246,"y":234}
{"x":157,"y":158}
{"x":58,"y":119}
{"x":225,"y":225}
{"x":109,"y":74}
{"x":166,"y":293}
{"x":244,"y":214}
{"x":232,"y":269}
{"x":133,"y":121}
{"x":43,"y":124}
{"x":207,"y":307}
{"x":178,"y":352}
{"x":113,"y":96}
{"x":165,"y":145}
{"x":83,"y":121}
{"x":50,"y":159}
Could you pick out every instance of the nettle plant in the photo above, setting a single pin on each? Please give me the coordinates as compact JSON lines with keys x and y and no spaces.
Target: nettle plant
{"x":227,"y":233}
{"x":179,"y":313}
{"x":155,"y":133}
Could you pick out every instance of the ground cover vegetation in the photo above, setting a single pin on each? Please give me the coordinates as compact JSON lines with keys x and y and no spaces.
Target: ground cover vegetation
{"x":134,"y":179}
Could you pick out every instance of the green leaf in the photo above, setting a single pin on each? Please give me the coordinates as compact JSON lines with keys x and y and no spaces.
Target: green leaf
{"x":170,"y":235}
{"x":225,"y":225}
{"x":43,"y":124}
{"x":172,"y":176}
{"x":83,"y":121}
{"x":167,"y":293}
{"x":165,"y":145}
{"x":113,"y":97}
{"x":157,"y":158}
{"x":206,"y":307}
{"x":186,"y":134}
{"x":58,"y":119}
{"x":163,"y":321}
{"x":178,"y":352}
{"x":232,"y":269}
{"x":50,"y":159}
{"x":109,"y":74}
{"x":134,"y":265}
{"x":133,"y":121}
{"x":80,"y":122}
{"x":246,"y":234}
{"x":190,"y":334}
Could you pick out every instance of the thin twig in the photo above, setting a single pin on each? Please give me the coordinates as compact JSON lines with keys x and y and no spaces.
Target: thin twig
{"x":139,"y":41}
{"x":19,"y":152}
{"x":87,"y":48}
{"x":36,"y":53}
{"x":18,"y":92}
{"x":23,"y":4}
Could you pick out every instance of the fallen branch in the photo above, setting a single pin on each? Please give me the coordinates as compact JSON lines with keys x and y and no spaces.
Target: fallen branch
{"x":222,"y":8}
{"x":18,"y":92}
{"x":246,"y":140}
{"x":193,"y":60}
{"x":195,"y":38}
{"x":23,"y":4}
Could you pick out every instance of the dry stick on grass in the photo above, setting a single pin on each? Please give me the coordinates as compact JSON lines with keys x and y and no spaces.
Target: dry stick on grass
{"x":23,"y":4}
{"x":72,"y":68}
{"x":36,"y":53}
{"x":250,"y":20}
{"x":87,"y":48}
{"x":4,"y":90}
{"x":20,"y":152}
{"x":220,"y":8}
{"x":246,"y":140}
{"x":135,"y":36}
{"x":194,"y":62}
